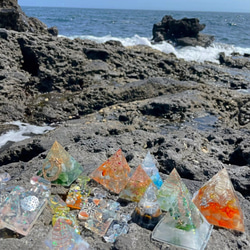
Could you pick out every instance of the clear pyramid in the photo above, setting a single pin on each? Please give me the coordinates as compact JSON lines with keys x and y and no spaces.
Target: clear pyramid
{"x":150,"y":168}
{"x":218,"y":202}
{"x":64,"y":237}
{"x":98,"y":214}
{"x":21,"y":208}
{"x":114,"y":173}
{"x":136,"y":186}
{"x":60,"y":167}
{"x":4,"y":189}
{"x":183,"y":225}
{"x":148,"y":213}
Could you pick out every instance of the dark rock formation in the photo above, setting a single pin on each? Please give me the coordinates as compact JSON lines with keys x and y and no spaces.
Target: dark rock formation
{"x":237,"y":62}
{"x":184,"y":32}
{"x":13,"y":18}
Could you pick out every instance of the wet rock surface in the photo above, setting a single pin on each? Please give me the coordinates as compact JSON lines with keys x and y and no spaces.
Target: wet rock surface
{"x":102,"y":97}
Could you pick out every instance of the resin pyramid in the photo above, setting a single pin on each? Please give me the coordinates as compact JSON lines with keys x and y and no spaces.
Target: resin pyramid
{"x":218,"y":202}
{"x":149,"y":167}
{"x":114,"y":173}
{"x":4,"y":189}
{"x":136,"y":186}
{"x":148,"y":213}
{"x":68,"y":216}
{"x":64,"y":237}
{"x":59,"y":167}
{"x":21,"y":208}
{"x":54,"y":202}
{"x":183,"y":225}
{"x":78,"y":192}
{"x":97,"y":215}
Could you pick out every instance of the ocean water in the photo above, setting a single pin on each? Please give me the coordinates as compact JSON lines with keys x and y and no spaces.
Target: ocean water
{"x":24,"y":131}
{"x":133,"y":27}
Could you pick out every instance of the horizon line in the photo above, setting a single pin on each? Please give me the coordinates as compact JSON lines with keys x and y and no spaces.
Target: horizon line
{"x":247,"y":12}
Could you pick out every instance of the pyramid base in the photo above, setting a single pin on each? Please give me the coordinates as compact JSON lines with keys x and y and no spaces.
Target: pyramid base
{"x":194,"y":239}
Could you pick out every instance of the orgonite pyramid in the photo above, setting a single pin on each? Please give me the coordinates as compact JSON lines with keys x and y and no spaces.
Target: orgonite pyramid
{"x":148,"y":213}
{"x":150,"y":168}
{"x":4,"y":189}
{"x":21,"y":208}
{"x":97,"y":215}
{"x":69,"y":217}
{"x":136,"y":186}
{"x":78,"y":192}
{"x":54,"y":202}
{"x":4,"y":177}
{"x":218,"y":202}
{"x":183,"y":225}
{"x":118,"y":227}
{"x":64,"y":237}
{"x":114,"y":173}
{"x":59,"y":167}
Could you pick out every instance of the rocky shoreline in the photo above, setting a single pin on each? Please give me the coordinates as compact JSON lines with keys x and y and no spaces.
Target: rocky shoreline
{"x":102,"y":97}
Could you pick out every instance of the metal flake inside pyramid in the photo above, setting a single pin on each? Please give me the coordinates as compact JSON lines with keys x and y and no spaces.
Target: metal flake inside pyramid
{"x":114,"y":173}
{"x":136,"y":186}
{"x":64,"y":237}
{"x":148,"y":213}
{"x":60,"y":167}
{"x":22,"y":207}
{"x":98,"y":214}
{"x":218,"y":202}
{"x":150,"y":168}
{"x":183,"y":225}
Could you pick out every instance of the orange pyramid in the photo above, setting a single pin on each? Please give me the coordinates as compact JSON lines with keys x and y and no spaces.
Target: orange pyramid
{"x":113,"y":174}
{"x":218,"y":202}
{"x":136,"y":186}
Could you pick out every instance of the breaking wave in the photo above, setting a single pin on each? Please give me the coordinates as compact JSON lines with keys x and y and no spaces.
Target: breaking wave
{"x":189,"y":53}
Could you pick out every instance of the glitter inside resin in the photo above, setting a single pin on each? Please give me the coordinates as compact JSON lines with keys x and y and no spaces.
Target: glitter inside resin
{"x":114,"y":173}
{"x":98,"y":214}
{"x":183,"y":225}
{"x":60,"y":167}
{"x":218,"y":202}
{"x":136,"y":186}
{"x":64,"y":237}
{"x":21,"y":208}
{"x":78,"y":192}
{"x":148,"y":213}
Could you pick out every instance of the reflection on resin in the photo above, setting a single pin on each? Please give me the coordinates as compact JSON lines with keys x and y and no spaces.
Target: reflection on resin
{"x":136,"y":186}
{"x":59,"y":167}
{"x":64,"y":237}
{"x":184,"y":224}
{"x":218,"y":202}
{"x":150,"y":168}
{"x":114,"y":173}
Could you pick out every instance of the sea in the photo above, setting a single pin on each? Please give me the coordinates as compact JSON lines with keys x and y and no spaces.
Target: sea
{"x":134,"y":27}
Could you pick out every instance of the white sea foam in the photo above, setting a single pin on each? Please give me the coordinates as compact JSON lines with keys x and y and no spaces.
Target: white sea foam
{"x":24,"y":132}
{"x":189,"y":53}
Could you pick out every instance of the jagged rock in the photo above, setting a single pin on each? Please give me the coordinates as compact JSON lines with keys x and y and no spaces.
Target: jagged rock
{"x":184,"y":32}
{"x":238,"y":62}
{"x":13,"y":18}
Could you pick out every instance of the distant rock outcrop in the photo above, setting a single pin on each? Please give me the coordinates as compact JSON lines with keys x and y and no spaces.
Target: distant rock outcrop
{"x":184,"y":32}
{"x":13,"y":18}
